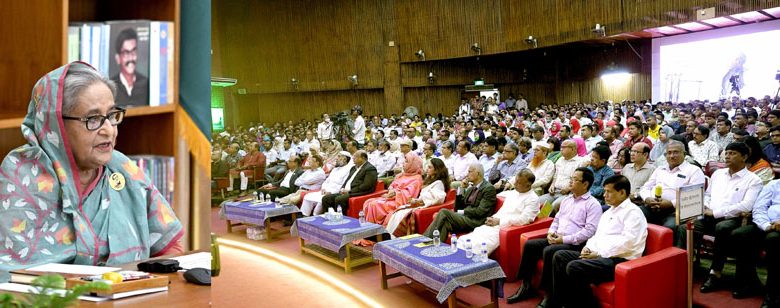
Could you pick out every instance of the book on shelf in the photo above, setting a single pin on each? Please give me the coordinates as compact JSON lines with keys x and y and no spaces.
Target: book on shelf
{"x":160,"y":170}
{"x":138,"y":55}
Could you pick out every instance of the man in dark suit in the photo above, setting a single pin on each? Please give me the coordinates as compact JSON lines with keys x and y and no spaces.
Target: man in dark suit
{"x":473,"y":206}
{"x":286,"y":185}
{"x":132,"y":87}
{"x":360,"y":181}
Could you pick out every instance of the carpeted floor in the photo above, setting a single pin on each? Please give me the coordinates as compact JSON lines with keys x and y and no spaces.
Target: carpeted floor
{"x":273,"y":282}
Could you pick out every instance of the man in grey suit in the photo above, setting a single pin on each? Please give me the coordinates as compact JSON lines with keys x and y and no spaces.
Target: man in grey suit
{"x":286,"y":185}
{"x":472,"y":207}
{"x":360,"y":181}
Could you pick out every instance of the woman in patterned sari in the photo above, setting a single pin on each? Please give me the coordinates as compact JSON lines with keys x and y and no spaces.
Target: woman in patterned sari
{"x":437,"y":183}
{"x":757,"y":161}
{"x":67,"y":195}
{"x":406,"y":186}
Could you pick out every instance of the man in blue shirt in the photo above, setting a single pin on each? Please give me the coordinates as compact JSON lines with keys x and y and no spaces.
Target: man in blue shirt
{"x":772,"y":150}
{"x":598,"y":164}
{"x":765,"y":230}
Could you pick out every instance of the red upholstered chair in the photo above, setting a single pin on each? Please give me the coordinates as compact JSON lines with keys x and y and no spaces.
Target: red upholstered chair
{"x":509,"y":250}
{"x":662,"y":266}
{"x":303,"y":194}
{"x":711,"y":166}
{"x":356,"y":203}
{"x":508,"y":253}
{"x":424,"y":217}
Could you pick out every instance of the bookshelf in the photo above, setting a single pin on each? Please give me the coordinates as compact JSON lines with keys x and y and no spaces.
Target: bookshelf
{"x":35,"y":38}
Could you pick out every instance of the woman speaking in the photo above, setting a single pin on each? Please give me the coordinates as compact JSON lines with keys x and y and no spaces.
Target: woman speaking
{"x":67,"y":195}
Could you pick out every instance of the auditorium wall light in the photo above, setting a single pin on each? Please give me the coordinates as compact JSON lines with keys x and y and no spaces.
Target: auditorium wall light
{"x":616,"y":78}
{"x":431,"y":78}
{"x":600,"y":30}
{"x":531,"y":41}
{"x":294,"y":83}
{"x":353,"y":79}
{"x":333,"y":281}
{"x":420,"y":54}
{"x":475,"y":47}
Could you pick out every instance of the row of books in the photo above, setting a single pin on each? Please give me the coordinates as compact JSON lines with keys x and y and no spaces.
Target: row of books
{"x":138,"y":55}
{"x":160,"y":170}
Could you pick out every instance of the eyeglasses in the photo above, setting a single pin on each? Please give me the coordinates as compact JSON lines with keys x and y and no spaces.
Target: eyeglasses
{"x":636,"y":152}
{"x":94,"y":122}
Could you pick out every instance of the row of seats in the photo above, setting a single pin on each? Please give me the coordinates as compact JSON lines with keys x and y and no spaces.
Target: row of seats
{"x":658,"y":279}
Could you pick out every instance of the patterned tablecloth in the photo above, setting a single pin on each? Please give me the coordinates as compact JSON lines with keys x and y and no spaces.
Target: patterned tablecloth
{"x":334,"y":235}
{"x":438,"y":268}
{"x":255,"y":213}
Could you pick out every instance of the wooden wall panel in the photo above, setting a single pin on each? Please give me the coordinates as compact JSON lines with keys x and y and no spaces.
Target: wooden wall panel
{"x":636,"y":87}
{"x":433,"y":100}
{"x":279,"y":107}
{"x":265,"y":43}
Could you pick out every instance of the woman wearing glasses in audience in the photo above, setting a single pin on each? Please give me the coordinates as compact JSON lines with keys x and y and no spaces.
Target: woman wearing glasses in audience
{"x":67,"y":195}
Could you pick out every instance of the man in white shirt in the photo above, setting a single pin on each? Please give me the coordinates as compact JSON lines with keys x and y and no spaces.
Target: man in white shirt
{"x":564,"y":169}
{"x":359,"y":128}
{"x":621,"y":236}
{"x":702,"y":149}
{"x":325,"y":128}
{"x":590,"y":140}
{"x":464,"y":159}
{"x":385,"y":160}
{"x":308,"y":142}
{"x":286,"y":185}
{"x":521,"y":102}
{"x":520,"y":208}
{"x":660,"y":210}
{"x":310,"y":180}
{"x":640,"y":170}
{"x":312,"y":202}
{"x":729,"y":197}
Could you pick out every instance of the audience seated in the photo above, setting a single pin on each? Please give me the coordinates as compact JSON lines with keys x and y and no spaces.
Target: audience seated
{"x":312,"y":202}
{"x":552,"y":142}
{"x":473,"y":205}
{"x":660,"y":209}
{"x":435,"y":187}
{"x":361,"y":181}
{"x":620,"y":236}
{"x":729,"y":196}
{"x":286,"y":185}
{"x":575,"y":223}
{"x":520,"y":208}
{"x":311,"y":180}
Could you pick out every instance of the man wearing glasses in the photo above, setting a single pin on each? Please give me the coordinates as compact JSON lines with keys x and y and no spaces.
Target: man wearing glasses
{"x":660,"y":209}
{"x":702,"y":149}
{"x":639,"y":170}
{"x":772,"y":150}
{"x":132,"y":86}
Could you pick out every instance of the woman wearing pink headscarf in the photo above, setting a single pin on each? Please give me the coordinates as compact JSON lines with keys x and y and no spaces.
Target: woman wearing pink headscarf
{"x":581,"y":149}
{"x":406,"y":186}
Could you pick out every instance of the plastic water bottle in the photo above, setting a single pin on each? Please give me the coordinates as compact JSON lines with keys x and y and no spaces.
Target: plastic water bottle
{"x":454,"y":243}
{"x":469,"y":252}
{"x":262,"y":197}
{"x":436,"y":239}
{"x":339,"y":214}
{"x":484,"y":257}
{"x":254,"y":196}
{"x":362,"y":217}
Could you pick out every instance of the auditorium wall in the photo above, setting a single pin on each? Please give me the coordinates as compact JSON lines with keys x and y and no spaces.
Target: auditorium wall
{"x":265,"y":44}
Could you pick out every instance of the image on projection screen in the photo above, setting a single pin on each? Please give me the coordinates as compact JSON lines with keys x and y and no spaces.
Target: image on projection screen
{"x":737,"y":61}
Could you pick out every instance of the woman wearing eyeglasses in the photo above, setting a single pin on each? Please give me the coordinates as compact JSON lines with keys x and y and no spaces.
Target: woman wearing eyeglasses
{"x":67,"y":196}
